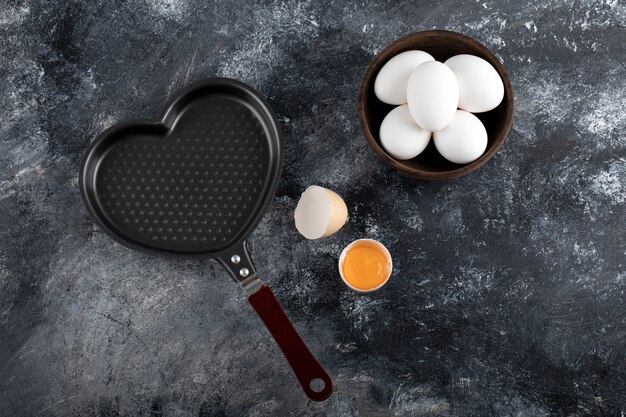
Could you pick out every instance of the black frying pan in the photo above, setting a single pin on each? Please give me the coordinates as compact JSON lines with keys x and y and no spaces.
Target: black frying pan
{"x":195,"y":185}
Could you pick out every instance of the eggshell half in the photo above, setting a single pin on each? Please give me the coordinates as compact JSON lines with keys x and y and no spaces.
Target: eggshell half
{"x":433,"y":95}
{"x":480,"y":87}
{"x":320,"y":212}
{"x":390,"y":83}
{"x":464,"y":140}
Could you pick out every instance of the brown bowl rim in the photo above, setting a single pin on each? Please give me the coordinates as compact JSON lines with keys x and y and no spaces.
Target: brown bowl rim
{"x":462,"y":169}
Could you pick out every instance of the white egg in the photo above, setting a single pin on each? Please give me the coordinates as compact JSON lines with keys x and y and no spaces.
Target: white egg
{"x":433,"y":95}
{"x":464,"y":140}
{"x":390,"y":83}
{"x":400,"y":136}
{"x":480,"y":86}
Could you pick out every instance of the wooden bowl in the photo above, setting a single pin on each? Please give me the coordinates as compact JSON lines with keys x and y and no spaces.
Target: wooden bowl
{"x":441,"y":44}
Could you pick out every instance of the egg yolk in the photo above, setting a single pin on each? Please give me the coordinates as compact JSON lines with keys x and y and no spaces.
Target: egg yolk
{"x":366,"y":266}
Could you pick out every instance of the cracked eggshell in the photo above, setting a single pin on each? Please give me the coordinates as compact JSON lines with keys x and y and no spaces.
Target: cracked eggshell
{"x":320,"y":213}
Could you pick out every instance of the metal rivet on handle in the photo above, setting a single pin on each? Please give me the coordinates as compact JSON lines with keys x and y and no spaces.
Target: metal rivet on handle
{"x":317,"y":385}
{"x":235,"y":259}
{"x":244,"y":272}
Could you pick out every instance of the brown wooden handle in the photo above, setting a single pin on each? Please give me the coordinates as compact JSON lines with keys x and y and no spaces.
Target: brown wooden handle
{"x":314,"y":380}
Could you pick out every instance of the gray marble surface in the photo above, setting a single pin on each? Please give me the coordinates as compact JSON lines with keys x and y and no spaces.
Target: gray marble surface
{"x":507,"y":297}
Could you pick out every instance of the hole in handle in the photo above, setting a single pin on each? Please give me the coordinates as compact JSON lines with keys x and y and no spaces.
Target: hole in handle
{"x":317,"y":385}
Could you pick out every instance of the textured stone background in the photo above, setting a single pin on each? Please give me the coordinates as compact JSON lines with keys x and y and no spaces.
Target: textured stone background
{"x":508,"y":293}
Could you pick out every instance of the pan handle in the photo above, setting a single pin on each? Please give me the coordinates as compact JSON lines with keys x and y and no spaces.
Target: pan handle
{"x":314,"y":380}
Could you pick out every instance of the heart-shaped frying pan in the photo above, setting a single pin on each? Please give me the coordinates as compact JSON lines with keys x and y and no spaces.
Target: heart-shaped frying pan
{"x":195,"y":185}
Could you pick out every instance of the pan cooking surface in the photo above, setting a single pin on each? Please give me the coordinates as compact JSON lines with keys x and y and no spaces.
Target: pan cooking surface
{"x":193,"y":188}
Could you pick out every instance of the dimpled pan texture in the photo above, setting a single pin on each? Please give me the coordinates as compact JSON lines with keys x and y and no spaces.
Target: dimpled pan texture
{"x":193,"y":185}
